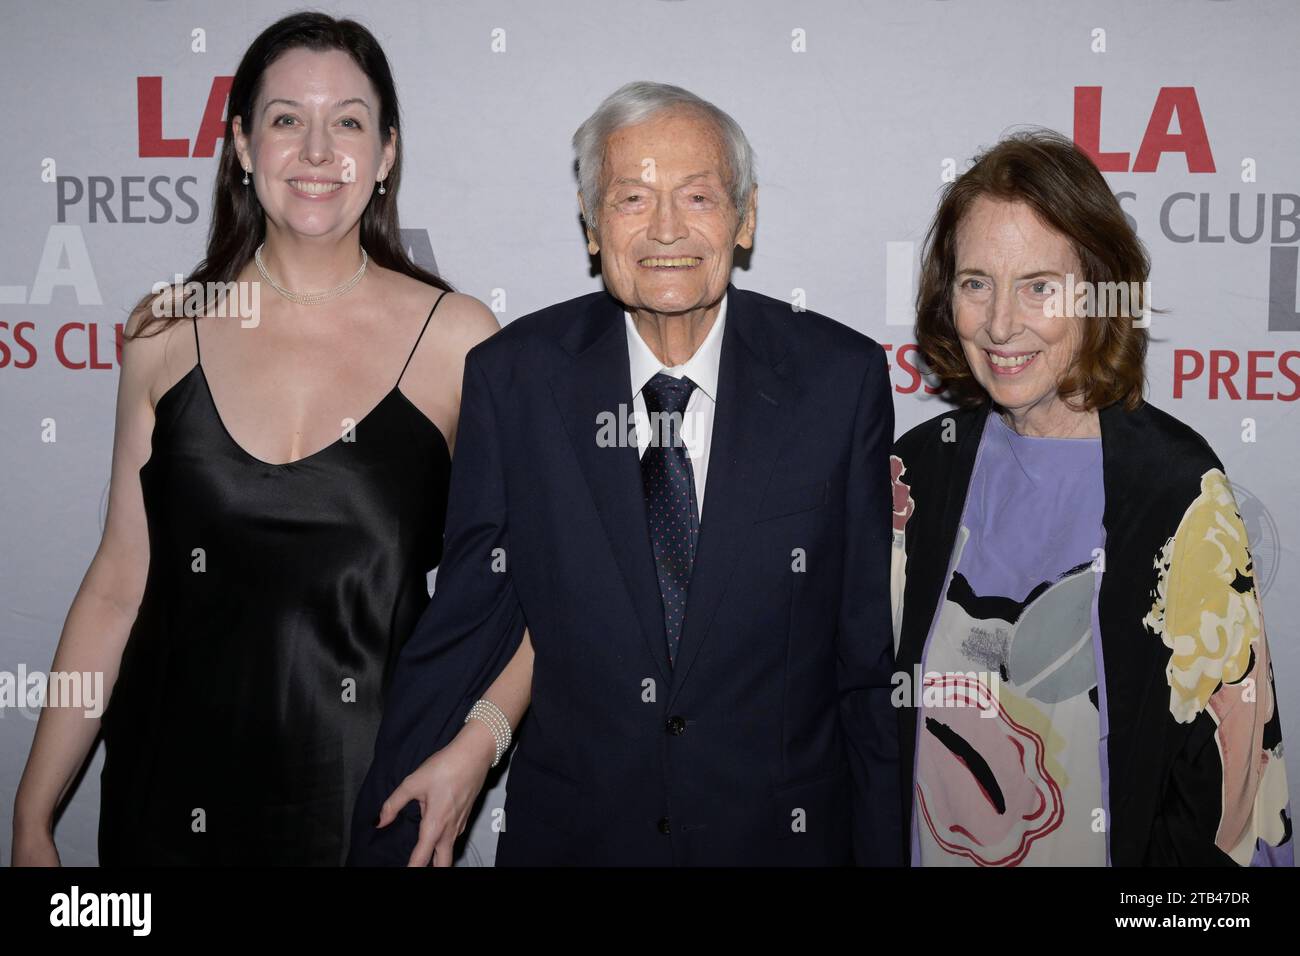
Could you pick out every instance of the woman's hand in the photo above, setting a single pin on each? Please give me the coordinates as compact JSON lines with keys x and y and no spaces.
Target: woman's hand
{"x":445,"y":786}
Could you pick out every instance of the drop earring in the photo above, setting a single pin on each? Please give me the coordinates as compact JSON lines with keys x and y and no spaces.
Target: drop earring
{"x":382,"y":190}
{"x":245,"y":176}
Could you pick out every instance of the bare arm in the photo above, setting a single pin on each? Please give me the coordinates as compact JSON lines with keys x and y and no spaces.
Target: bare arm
{"x":463,"y":322}
{"x":102,"y":613}
{"x":512,"y":692}
{"x":447,"y":783}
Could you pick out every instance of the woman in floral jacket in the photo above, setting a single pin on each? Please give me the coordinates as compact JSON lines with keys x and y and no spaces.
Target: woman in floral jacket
{"x":1074,"y":596}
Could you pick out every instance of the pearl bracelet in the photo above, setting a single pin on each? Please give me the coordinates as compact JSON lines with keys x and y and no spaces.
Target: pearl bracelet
{"x":496,"y":721}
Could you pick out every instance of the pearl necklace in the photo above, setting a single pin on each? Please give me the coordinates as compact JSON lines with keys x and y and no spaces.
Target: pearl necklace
{"x":310,"y":298}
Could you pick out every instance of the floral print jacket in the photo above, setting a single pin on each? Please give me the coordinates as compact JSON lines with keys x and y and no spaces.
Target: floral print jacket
{"x":1195,"y":745}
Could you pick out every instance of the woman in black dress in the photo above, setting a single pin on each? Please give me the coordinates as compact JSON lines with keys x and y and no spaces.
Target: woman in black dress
{"x":279,"y":481}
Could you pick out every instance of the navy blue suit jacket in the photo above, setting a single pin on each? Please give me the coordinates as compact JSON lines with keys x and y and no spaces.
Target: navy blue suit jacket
{"x":772,"y":739}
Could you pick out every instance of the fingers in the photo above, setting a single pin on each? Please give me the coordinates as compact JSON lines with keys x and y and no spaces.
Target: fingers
{"x":430,"y":833}
{"x":393,"y":805}
{"x":446,"y":846}
{"x":445,"y":852}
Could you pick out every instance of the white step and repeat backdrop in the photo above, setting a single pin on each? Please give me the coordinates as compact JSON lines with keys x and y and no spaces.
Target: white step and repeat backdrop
{"x":858,"y":112}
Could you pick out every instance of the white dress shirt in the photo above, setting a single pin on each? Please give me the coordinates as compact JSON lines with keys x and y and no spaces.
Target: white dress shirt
{"x":702,"y":369}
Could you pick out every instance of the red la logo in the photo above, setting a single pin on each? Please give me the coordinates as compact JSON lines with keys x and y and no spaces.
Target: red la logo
{"x":212,"y":127}
{"x":1190,"y":140}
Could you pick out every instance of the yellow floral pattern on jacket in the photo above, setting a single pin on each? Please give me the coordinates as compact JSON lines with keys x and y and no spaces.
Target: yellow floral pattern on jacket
{"x":1207,"y":612}
{"x":1204,"y":613}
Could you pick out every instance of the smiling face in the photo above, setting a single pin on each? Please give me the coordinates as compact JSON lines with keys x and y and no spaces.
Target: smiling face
{"x":313,"y":142}
{"x":666,"y":227}
{"x":1009,"y":265}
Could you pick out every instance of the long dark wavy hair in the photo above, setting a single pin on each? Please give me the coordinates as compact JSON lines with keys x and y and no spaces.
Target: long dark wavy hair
{"x":238,"y":223}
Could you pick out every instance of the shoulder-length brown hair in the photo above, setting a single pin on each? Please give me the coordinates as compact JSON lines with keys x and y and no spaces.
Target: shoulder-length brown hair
{"x":1061,"y":184}
{"x":238,"y":223}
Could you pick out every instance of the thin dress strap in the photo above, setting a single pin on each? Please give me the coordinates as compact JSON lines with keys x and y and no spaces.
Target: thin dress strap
{"x":417,"y":341}
{"x":198,"y":358}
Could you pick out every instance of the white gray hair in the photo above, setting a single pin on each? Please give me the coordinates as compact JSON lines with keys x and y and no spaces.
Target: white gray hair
{"x":636,"y":102}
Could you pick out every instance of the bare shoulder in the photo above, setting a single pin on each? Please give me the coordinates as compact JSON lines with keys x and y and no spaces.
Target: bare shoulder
{"x":460,"y":322}
{"x":456,"y":323}
{"x":156,"y":352}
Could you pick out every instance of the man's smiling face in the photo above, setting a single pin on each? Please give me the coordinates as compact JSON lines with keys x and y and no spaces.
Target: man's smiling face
{"x":666,"y":226}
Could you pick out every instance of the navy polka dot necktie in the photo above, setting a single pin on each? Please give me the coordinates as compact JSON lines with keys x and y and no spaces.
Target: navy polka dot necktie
{"x":671,"y":509}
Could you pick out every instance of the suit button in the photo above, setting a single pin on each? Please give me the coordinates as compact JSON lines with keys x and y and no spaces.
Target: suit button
{"x":664,"y":826}
{"x":677,"y":726}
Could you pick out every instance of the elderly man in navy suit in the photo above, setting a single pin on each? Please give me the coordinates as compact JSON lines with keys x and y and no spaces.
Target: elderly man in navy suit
{"x":681,"y":490}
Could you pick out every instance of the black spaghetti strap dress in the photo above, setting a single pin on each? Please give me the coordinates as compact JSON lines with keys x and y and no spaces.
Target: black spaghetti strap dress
{"x":245,"y":711}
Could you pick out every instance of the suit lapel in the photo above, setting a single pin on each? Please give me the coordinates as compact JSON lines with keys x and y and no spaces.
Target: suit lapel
{"x":754,"y":410}
{"x":596,"y":384}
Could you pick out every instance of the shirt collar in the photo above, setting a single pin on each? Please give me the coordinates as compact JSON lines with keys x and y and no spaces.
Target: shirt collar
{"x":701,"y":368}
